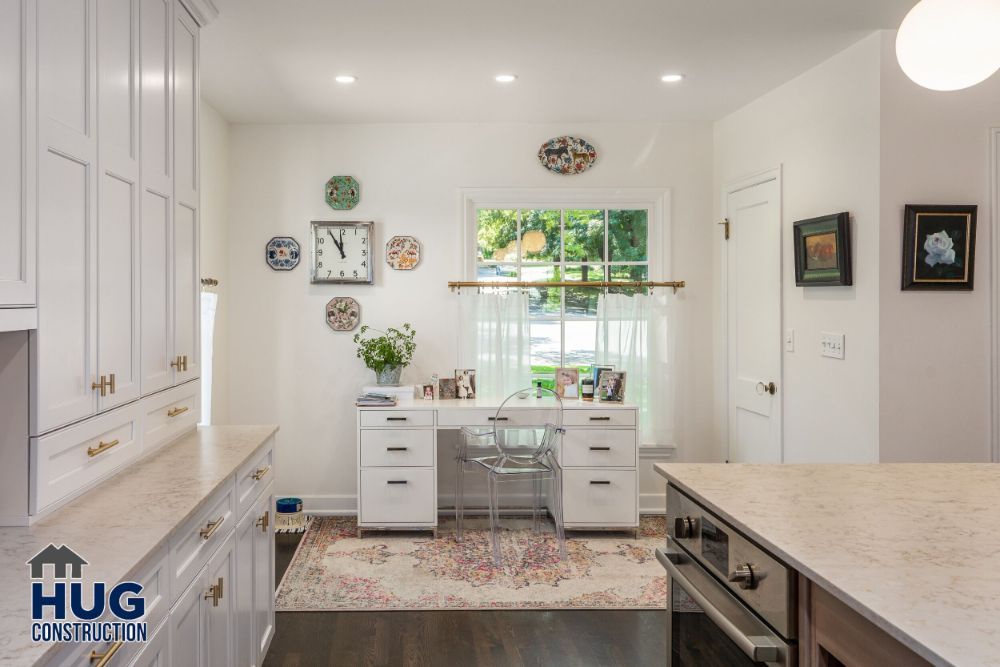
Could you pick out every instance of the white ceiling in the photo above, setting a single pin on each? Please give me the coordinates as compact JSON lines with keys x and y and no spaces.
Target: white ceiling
{"x":577,"y":60}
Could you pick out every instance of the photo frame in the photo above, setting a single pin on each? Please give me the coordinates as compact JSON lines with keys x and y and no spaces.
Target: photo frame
{"x":567,"y":382}
{"x":823,"y":251}
{"x":447,"y":389}
{"x":611,"y":387}
{"x":465,"y":383}
{"x":939,"y":247}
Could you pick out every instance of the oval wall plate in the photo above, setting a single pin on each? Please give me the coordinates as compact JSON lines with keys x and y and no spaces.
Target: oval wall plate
{"x":343,"y":313}
{"x":567,"y":155}
{"x":402,"y":253}
{"x":282,"y":253}
{"x":343,"y":192}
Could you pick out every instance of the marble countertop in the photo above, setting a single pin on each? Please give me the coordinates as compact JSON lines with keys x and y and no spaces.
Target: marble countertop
{"x":914,"y":548}
{"x":117,"y":525}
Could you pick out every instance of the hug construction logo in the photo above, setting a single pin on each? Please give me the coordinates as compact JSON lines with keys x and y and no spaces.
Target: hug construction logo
{"x":76,"y":608}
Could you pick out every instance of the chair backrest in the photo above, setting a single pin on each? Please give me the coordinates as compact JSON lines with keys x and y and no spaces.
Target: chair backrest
{"x":528,"y":424}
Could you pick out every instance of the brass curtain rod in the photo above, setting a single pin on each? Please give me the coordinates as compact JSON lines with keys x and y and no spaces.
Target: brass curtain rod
{"x":675,"y":284}
{"x":209,"y":282}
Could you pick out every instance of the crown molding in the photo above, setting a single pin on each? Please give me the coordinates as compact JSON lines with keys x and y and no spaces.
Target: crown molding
{"x":202,"y":11}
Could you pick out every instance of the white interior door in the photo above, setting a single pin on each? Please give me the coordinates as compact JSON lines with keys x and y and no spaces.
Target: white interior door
{"x":754,"y":317}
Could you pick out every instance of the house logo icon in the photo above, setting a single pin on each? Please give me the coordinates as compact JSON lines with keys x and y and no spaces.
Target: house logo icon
{"x":62,"y":559}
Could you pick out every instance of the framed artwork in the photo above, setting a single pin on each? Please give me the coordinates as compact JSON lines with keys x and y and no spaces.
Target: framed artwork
{"x":343,"y":313}
{"x":611,"y":387}
{"x":939,"y":247}
{"x":567,"y":381}
{"x":447,"y":388}
{"x":342,"y":192}
{"x":465,"y":383}
{"x":342,"y":252}
{"x":282,"y":253}
{"x":823,"y":251}
{"x":402,"y":253}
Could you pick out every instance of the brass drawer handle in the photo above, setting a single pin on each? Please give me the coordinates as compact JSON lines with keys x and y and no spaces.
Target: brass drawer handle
{"x":214,"y":593}
{"x":107,"y":655}
{"x":259,"y":474}
{"x":177,"y":411}
{"x":101,"y":447}
{"x":264,"y":521}
{"x":211,"y":527}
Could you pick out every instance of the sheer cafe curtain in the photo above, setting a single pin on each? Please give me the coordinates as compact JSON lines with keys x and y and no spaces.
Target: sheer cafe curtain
{"x":493,"y":338}
{"x":635,"y":334}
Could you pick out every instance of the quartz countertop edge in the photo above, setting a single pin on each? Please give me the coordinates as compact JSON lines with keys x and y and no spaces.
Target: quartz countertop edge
{"x":750,"y":481}
{"x":163,"y":490}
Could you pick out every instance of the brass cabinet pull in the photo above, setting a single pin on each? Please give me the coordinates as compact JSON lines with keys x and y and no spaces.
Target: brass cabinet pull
{"x":259,"y":474}
{"x":180,"y":363}
{"x":177,"y":411}
{"x":214,"y":593}
{"x":185,"y":360}
{"x":101,"y":447}
{"x":211,"y":527}
{"x":111,"y":382}
{"x":264,"y":521}
{"x":101,"y":384}
{"x":103,"y":658}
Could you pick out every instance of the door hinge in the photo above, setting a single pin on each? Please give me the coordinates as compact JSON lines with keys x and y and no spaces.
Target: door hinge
{"x":725,"y":227}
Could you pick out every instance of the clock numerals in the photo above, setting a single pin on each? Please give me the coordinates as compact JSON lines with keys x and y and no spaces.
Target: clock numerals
{"x":348,"y":261}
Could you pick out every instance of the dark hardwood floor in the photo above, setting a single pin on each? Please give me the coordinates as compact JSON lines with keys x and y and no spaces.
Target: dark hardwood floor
{"x":463,"y":638}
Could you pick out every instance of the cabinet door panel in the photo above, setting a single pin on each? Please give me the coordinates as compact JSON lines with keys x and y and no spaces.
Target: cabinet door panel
{"x":187,"y":303}
{"x":263,"y":565}
{"x":243,"y":589}
{"x":116,"y":85}
{"x":219,"y":625}
{"x":185,"y":108}
{"x":63,"y":63}
{"x":155,"y":44}
{"x":187,"y":626}
{"x":156,"y":652}
{"x":157,"y":351}
{"x":63,"y":345}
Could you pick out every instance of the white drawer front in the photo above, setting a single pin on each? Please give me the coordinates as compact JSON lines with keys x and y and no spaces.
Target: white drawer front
{"x":254,"y":476}
{"x":397,"y":496}
{"x":488,"y":417}
{"x":71,"y":459}
{"x":169,"y":414}
{"x":397,"y":418}
{"x":193,"y":543}
{"x":598,"y":447}
{"x":398,"y":447}
{"x":599,"y":417}
{"x":600,"y":497}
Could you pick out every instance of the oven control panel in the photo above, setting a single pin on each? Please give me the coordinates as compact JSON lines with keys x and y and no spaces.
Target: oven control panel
{"x":762,"y":581}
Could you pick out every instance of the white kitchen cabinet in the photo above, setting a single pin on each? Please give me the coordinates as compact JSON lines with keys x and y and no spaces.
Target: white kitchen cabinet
{"x":243,"y":589}
{"x":156,"y":652}
{"x":263,"y":574}
{"x":202,"y":621}
{"x":17,"y":131}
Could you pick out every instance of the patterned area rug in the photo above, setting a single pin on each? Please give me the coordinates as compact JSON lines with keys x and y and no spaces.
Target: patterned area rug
{"x":333,"y":570}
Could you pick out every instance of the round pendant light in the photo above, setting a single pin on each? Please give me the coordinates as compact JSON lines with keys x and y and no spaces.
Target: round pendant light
{"x":950,"y":44}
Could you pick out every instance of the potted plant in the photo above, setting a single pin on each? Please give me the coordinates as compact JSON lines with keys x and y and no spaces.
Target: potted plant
{"x":387,"y":354}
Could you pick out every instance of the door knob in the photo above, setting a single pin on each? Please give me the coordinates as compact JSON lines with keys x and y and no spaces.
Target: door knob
{"x":769,"y":388}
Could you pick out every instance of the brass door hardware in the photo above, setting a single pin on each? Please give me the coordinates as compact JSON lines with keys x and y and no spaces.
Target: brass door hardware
{"x":103,"y":658}
{"x":259,"y":474}
{"x":675,"y":284}
{"x":180,"y":363}
{"x":104,"y":384}
{"x":214,"y":593}
{"x":768,"y":388}
{"x":725,"y":224}
{"x":211,"y":527}
{"x":264,"y":521}
{"x":177,"y":411}
{"x":101,"y":447}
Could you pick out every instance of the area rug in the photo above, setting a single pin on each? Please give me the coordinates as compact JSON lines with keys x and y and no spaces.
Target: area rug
{"x":333,"y":570}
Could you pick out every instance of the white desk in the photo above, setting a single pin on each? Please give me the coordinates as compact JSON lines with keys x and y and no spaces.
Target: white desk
{"x":398,"y":463}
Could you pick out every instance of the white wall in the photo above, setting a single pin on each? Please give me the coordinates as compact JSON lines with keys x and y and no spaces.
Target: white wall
{"x":935,"y":346}
{"x":215,"y":244}
{"x":822,"y":129}
{"x":287,"y":367}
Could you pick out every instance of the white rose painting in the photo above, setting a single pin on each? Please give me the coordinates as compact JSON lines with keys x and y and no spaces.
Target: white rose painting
{"x":940,"y":247}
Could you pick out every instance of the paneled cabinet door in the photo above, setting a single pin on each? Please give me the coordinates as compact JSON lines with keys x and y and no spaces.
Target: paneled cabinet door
{"x":220,"y":605}
{"x":187,"y":625}
{"x":243,"y":590}
{"x":156,"y":652}
{"x":17,"y":122}
{"x":263,"y":566}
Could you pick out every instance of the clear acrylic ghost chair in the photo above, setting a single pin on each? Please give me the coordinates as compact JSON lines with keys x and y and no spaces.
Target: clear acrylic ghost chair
{"x":521,"y":451}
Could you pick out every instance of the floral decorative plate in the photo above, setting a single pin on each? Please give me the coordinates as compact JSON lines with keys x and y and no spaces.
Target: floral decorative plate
{"x":343,"y":313}
{"x":567,"y":155}
{"x":402,"y":252}
{"x":282,"y":253}
{"x":343,"y":192}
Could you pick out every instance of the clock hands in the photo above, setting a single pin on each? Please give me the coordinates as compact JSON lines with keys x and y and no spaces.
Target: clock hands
{"x":339,"y":244}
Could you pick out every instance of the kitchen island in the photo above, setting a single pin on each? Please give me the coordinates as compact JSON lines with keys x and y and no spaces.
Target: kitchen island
{"x":913,"y":549}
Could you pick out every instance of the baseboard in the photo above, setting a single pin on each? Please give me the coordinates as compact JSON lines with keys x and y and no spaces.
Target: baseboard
{"x":652,"y":503}
{"x":339,"y":505}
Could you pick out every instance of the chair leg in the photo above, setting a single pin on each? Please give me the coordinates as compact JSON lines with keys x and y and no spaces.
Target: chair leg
{"x":459,"y":500}
{"x":494,"y":494}
{"x":536,"y":480}
{"x":557,"y":502}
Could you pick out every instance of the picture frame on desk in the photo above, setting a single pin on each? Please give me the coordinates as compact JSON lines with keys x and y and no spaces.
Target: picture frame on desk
{"x":611,"y":388}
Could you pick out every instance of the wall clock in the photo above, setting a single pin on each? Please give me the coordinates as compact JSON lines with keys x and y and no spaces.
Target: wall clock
{"x":282,"y":253}
{"x":342,"y":252}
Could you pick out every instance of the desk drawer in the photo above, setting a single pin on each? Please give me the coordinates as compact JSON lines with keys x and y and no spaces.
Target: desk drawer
{"x":397,"y":418}
{"x":169,"y":414}
{"x":599,"y":417}
{"x":194,"y":543}
{"x":397,"y":496}
{"x":487,"y":417}
{"x":74,"y":458}
{"x":253,"y":477}
{"x":600,"y":497}
{"x":598,"y":448}
{"x":398,"y":447}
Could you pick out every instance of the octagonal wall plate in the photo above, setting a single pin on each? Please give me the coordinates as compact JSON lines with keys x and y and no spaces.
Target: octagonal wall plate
{"x":282,"y":253}
{"x":343,"y":313}
{"x":567,"y":155}
{"x":343,"y":192}
{"x":402,"y":253}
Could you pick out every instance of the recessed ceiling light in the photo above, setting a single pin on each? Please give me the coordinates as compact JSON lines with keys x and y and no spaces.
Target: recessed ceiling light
{"x":345,"y":78}
{"x":671,"y":78}
{"x":505,"y":78}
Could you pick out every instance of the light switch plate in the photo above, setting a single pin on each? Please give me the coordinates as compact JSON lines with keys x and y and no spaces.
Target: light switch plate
{"x":831,"y":345}
{"x":789,"y":340}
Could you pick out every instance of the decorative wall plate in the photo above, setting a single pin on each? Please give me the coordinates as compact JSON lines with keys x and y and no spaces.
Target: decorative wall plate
{"x":282,"y":253}
{"x":402,"y":253}
{"x":343,"y":192}
{"x":343,"y":313}
{"x":567,"y":155}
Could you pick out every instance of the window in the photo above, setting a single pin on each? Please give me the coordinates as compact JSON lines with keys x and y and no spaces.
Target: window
{"x":562,"y":245}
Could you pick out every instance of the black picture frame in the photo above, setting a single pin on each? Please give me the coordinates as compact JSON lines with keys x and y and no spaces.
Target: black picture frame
{"x":817,"y":264}
{"x":939,"y":247}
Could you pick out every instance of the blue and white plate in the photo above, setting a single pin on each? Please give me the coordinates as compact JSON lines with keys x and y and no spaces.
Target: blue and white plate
{"x":282,"y":253}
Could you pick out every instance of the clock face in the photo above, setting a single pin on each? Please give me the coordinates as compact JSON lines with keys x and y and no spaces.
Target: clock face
{"x":342,"y":253}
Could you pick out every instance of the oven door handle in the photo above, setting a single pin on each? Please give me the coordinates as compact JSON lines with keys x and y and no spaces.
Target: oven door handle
{"x":758,"y":649}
